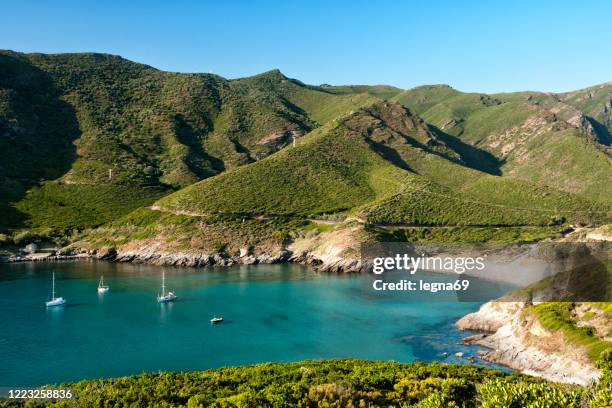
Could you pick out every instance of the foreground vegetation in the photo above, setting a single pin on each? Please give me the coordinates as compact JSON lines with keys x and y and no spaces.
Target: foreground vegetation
{"x":335,"y":383}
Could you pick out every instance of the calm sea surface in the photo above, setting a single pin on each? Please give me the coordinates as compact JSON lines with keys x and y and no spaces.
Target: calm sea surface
{"x":272,"y":313}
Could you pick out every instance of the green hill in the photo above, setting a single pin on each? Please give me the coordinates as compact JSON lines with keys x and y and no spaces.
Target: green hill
{"x":72,"y":123}
{"x":332,"y":169}
{"x":89,"y":138}
{"x":380,"y":166}
{"x":385,"y":164}
{"x":555,"y":140}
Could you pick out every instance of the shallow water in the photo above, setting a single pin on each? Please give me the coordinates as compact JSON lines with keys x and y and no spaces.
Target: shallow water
{"x":272,"y":313}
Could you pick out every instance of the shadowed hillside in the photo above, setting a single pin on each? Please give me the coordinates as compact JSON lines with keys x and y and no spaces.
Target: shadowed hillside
{"x":556,"y":140}
{"x":93,"y":136}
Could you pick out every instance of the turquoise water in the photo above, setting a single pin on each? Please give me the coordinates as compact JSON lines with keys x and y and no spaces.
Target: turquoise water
{"x":272,"y":313}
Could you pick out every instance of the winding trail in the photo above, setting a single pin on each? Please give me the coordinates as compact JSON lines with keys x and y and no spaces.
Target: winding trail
{"x":326,"y":221}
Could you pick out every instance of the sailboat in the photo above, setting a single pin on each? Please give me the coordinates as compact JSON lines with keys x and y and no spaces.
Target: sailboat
{"x":55,"y":301}
{"x":165,"y":297}
{"x":102,"y":288}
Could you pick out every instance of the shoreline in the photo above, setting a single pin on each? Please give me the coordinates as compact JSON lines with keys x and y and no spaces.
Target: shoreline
{"x":498,"y":325}
{"x":518,"y":342}
{"x":194,"y":260}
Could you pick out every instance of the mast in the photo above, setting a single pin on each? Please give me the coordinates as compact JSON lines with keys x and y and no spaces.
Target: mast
{"x":163,"y":283}
{"x":53,"y":286}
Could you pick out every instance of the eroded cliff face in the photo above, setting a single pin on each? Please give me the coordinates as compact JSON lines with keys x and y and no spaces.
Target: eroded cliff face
{"x":518,"y":340}
{"x":334,"y":251}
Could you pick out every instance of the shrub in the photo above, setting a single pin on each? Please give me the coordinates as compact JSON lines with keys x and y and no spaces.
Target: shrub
{"x":434,"y":392}
{"x":500,"y":393}
{"x":334,"y":383}
{"x":602,"y":391}
{"x":603,"y":398}
{"x":220,"y":247}
{"x":25,"y":237}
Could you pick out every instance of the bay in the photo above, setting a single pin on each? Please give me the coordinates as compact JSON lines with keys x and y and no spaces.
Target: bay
{"x":277,"y":313}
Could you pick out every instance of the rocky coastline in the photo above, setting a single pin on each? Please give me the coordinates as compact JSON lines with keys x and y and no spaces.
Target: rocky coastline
{"x":518,"y":341}
{"x":189,"y":259}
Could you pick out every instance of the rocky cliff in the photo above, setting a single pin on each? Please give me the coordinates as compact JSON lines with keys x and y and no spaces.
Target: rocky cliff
{"x":518,"y":340}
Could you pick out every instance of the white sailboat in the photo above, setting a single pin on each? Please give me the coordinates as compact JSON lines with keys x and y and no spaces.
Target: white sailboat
{"x":55,"y":301}
{"x":102,"y":288}
{"x":165,"y":297}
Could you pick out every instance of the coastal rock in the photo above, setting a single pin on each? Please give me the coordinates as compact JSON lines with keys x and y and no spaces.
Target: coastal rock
{"x":45,"y":256}
{"x":474,"y":339}
{"x":335,"y":251}
{"x":490,"y":317}
{"x":519,"y":341}
{"x":106,"y":253}
{"x":248,"y":260}
{"x":149,"y":255}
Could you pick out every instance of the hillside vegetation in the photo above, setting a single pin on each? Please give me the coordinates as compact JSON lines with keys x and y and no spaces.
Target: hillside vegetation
{"x":90,"y":138}
{"x":385,"y":164}
{"x":556,"y":140}
{"x":333,"y":383}
{"x":95,"y":120}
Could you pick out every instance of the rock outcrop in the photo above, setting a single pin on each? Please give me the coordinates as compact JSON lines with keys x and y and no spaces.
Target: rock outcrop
{"x":517,"y":340}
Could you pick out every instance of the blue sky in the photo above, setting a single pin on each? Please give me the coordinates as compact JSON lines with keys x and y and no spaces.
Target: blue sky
{"x":485,"y":46}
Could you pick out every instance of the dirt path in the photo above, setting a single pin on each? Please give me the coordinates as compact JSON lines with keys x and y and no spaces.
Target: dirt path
{"x":327,"y":221}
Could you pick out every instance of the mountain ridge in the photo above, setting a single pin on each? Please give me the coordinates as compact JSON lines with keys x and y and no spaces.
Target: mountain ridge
{"x":131,"y":134}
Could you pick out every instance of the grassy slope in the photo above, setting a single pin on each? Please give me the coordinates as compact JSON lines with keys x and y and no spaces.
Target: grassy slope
{"x":182,"y":233}
{"x":558,"y":316}
{"x":65,"y":206}
{"x":567,"y":161}
{"x":453,"y":194}
{"x":466,"y":235}
{"x":329,"y":171}
{"x":158,"y":131}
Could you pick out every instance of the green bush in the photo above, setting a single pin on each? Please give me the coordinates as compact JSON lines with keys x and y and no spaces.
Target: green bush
{"x":220,"y":247}
{"x":25,"y":238}
{"x":601,"y":393}
{"x":603,"y":398}
{"x":500,"y":393}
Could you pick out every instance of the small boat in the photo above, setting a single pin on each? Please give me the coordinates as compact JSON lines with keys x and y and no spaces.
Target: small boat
{"x":55,"y":301}
{"x":216,"y":320}
{"x":165,"y":297}
{"x":102,"y":288}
